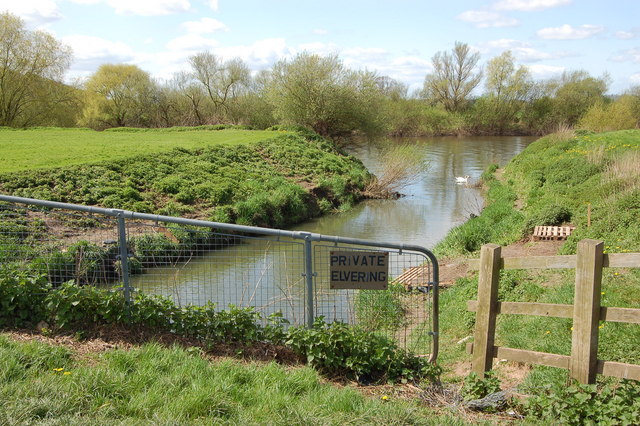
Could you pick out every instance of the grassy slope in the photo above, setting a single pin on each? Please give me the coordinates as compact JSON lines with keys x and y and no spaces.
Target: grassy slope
{"x":54,"y":147}
{"x":42,"y":384}
{"x":261,"y":178}
{"x":554,"y":177}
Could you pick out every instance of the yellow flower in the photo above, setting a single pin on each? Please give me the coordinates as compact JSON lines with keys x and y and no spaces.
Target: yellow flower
{"x":385,"y":398}
{"x":571,"y":328}
{"x":58,"y":369}
{"x":66,"y":373}
{"x":548,"y":332}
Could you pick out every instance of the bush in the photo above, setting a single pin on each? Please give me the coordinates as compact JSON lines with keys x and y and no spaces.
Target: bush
{"x":340,"y":349}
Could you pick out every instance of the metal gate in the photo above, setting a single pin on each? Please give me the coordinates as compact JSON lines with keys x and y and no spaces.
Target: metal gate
{"x":198,"y":262}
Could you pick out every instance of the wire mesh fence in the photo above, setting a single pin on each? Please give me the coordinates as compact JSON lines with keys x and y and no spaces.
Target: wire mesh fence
{"x":195,"y":262}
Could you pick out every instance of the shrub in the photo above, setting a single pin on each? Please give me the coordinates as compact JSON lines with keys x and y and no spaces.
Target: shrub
{"x":476,"y":388}
{"x":22,"y":298}
{"x":338,"y":348}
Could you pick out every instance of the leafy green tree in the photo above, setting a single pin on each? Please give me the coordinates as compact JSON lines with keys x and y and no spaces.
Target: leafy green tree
{"x":32,"y":65}
{"x":620,"y":114}
{"x":574,"y":93}
{"x":320,"y":93}
{"x":507,"y":90}
{"x":453,"y":78}
{"x":118,"y":95}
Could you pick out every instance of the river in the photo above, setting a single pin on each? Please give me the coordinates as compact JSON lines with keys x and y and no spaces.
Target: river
{"x":266,"y":274}
{"x":433,"y":203}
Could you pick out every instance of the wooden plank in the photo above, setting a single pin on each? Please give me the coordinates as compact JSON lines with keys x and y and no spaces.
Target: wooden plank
{"x":540,"y":262}
{"x":586,"y":311}
{"x":531,"y":262}
{"x":613,"y":260}
{"x":532,"y":357}
{"x":626,"y":315}
{"x":618,"y":369}
{"x":622,"y":260}
{"x":553,"y":310}
{"x":485,"y":330}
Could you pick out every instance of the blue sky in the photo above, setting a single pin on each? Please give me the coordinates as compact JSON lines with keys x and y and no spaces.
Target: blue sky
{"x":396,"y":38}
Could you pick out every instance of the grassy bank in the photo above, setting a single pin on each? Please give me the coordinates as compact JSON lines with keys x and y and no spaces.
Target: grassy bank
{"x":553,"y":182}
{"x":45,"y":384}
{"x":46,"y":148}
{"x":255,"y":178}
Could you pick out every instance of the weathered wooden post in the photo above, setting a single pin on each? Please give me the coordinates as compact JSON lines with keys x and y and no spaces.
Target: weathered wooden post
{"x":484,"y":336}
{"x":586,"y":311}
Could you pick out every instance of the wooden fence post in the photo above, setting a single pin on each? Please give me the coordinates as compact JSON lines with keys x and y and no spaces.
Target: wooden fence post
{"x":586,"y":311}
{"x":484,"y":336}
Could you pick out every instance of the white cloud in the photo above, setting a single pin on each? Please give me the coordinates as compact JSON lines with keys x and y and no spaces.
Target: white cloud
{"x":90,"y":52}
{"x":204,"y":26}
{"x":635,"y":78}
{"x":320,"y":31}
{"x":631,"y":55}
{"x":529,"y":5}
{"x":259,"y":55}
{"x":628,"y":35}
{"x":36,"y":13}
{"x":149,"y":7}
{"x":213,"y":4}
{"x":191,"y":43}
{"x":541,"y":72}
{"x":568,"y":32}
{"x":486,"y":19}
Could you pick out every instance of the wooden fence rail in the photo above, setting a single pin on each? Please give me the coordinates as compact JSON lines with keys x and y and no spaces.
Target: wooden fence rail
{"x":586,"y":311}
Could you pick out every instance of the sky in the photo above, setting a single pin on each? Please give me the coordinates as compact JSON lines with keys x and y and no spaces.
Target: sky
{"x":395,"y":38}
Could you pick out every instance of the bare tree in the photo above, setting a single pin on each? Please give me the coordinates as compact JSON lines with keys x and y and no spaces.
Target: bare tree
{"x":453,"y":77}
{"x":221,"y":80}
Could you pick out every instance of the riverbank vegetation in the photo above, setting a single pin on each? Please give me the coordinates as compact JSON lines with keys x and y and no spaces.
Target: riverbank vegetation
{"x":273,"y":178}
{"x":589,"y":180}
{"x":460,"y":96}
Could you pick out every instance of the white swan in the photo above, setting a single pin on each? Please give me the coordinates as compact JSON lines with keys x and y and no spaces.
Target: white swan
{"x":462,"y":179}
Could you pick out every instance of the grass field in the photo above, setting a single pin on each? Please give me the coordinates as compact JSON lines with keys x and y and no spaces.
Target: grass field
{"x":55,"y":147}
{"x":150,"y":384}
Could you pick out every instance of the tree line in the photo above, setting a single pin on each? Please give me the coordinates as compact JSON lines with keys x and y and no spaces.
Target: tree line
{"x":317,"y":92}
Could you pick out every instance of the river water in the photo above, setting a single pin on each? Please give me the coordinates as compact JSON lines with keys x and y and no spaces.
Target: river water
{"x":266,"y":273}
{"x":433,"y":203}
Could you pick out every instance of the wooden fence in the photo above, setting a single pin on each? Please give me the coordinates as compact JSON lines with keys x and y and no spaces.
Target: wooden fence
{"x":586,"y":311}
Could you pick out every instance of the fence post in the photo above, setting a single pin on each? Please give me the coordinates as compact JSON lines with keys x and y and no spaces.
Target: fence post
{"x":124,"y":259}
{"x":484,"y":336}
{"x":308,"y":273}
{"x":586,"y":311}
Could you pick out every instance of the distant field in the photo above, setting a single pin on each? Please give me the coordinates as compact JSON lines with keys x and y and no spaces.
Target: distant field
{"x":47,"y":148}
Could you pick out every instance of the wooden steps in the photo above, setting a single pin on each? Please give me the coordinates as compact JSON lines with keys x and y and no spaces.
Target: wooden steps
{"x":552,"y":232}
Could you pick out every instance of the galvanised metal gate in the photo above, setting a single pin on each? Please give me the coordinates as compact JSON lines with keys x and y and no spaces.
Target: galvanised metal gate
{"x":199,"y":262}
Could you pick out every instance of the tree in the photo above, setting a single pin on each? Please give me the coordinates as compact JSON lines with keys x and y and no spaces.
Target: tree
{"x":222,"y":81}
{"x":507,"y":90}
{"x":320,"y":93}
{"x":118,"y":95}
{"x":574,"y":93}
{"x":453,"y":78}
{"x":32,"y":65}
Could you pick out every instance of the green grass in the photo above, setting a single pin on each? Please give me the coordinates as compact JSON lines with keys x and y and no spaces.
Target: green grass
{"x":252,"y":178}
{"x":554,"y":180}
{"x":46,"y":148}
{"x":42,"y":384}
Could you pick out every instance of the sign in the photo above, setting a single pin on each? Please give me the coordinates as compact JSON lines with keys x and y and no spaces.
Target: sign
{"x":359,"y":270}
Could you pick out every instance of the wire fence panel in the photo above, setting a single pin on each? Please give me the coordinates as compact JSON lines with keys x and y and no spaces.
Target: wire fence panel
{"x":194,"y":265}
{"x":195,"y":262}
{"x":402,"y":312}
